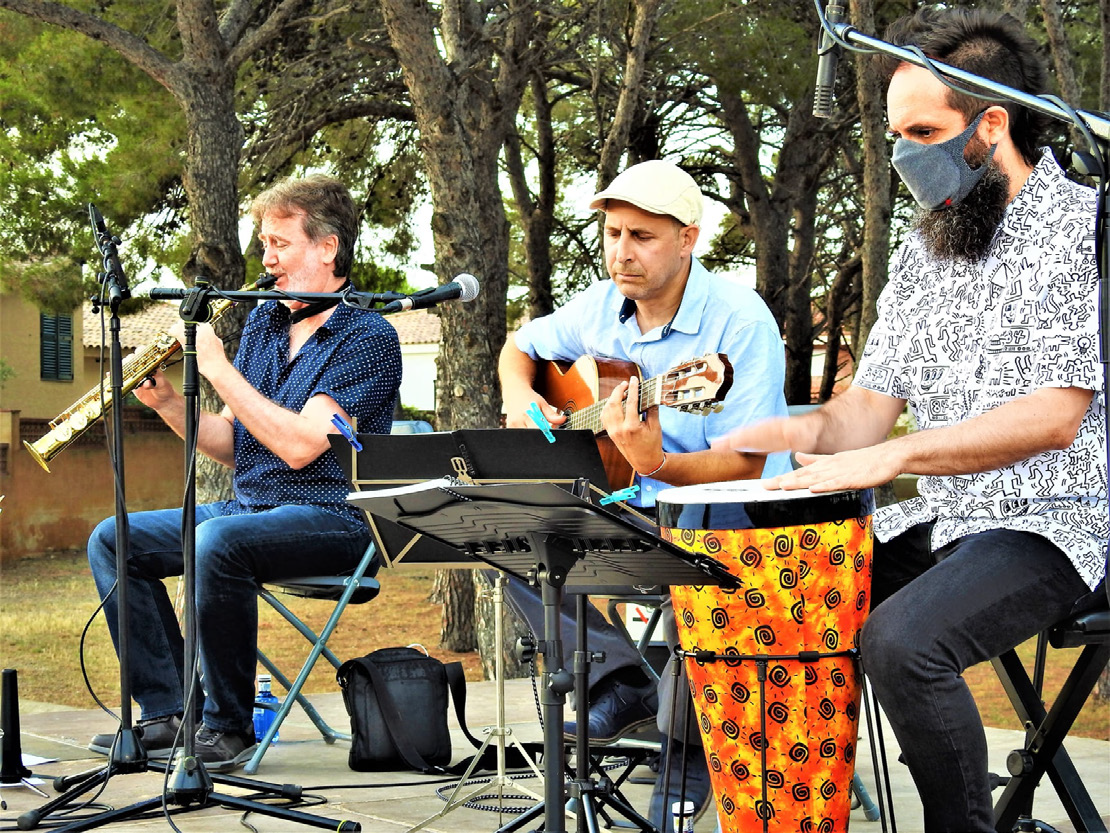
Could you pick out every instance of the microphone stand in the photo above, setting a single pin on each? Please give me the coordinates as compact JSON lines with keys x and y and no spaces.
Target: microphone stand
{"x":127,"y":753}
{"x":189,"y":786}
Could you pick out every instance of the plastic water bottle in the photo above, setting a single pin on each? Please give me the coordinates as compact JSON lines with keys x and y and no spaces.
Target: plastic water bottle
{"x":682,"y":816}
{"x":264,"y":717}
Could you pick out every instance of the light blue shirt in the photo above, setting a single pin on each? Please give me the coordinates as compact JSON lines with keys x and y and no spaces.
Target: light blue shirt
{"x":715,"y":316}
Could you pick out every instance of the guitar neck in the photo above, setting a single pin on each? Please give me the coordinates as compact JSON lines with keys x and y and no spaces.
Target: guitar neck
{"x":589,"y":418}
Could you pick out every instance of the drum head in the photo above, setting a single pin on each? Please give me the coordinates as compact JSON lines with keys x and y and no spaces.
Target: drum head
{"x":748,"y":504}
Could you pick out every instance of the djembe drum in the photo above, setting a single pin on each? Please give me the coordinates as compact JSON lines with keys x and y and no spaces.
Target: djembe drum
{"x":773,"y":663}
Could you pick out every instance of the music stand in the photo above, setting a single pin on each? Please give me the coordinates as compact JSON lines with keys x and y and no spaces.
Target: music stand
{"x":553,"y":538}
{"x":480,"y":456}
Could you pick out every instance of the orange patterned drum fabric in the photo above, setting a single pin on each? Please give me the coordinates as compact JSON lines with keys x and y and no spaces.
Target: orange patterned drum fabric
{"x":805,"y":573}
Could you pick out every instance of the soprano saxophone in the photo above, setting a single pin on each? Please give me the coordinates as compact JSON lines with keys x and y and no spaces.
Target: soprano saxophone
{"x":83,"y":414}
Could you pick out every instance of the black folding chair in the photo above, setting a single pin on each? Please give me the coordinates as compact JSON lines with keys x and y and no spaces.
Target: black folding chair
{"x":1046,"y":731}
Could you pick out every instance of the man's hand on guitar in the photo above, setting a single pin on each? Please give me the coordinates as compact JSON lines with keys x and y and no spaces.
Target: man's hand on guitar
{"x":516,"y":408}
{"x":640,"y":441}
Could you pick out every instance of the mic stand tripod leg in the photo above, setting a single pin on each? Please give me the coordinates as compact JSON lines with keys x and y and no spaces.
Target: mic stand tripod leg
{"x":497,"y":733}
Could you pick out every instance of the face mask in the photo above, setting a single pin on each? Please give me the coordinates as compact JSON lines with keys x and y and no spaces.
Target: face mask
{"x":938,"y":175}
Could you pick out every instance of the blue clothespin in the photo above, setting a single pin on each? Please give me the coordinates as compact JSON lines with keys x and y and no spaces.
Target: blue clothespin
{"x":536,"y":415}
{"x":346,"y":431}
{"x":622,"y":494}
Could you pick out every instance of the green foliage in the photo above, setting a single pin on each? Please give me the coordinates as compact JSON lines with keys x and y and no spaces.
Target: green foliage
{"x":411,"y":413}
{"x":78,"y":125}
{"x":6,"y":372}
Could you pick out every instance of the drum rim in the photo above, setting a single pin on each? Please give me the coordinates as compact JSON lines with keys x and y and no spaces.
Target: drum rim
{"x":814,"y":508}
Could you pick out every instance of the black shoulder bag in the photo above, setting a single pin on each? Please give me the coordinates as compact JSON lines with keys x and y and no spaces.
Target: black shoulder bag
{"x":397,"y":701}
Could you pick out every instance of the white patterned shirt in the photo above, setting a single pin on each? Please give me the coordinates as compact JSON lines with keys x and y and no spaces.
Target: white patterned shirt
{"x":957,"y":339}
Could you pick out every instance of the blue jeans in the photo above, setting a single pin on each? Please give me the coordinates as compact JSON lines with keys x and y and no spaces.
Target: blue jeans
{"x":936,"y":614}
{"x":234,"y":553}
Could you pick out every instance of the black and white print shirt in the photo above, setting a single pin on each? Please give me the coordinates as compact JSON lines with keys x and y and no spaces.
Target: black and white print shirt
{"x":956,"y":339}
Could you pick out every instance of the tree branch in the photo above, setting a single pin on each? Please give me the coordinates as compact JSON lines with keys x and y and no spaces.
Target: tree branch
{"x":257,"y":39}
{"x":235,"y":19}
{"x":131,"y":47}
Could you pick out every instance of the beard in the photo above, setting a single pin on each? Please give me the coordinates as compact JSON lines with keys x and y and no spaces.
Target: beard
{"x":964,"y":231}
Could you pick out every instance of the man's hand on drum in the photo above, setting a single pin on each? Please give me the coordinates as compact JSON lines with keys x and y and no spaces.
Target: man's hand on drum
{"x":640,"y":441}
{"x":860,"y":468}
{"x":778,"y":434}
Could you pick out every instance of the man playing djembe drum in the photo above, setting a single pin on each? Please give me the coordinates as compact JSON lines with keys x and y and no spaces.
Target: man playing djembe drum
{"x":988,"y":330}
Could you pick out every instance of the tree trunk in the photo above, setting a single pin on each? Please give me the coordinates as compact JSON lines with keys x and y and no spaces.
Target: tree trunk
{"x":1063,"y":60}
{"x":784,"y":249}
{"x":485,"y":627}
{"x":457,"y":629}
{"x":837,"y":303}
{"x":537,"y":213}
{"x":635,"y":65}
{"x":1104,"y":75}
{"x":876,"y":178}
{"x":465,"y":98}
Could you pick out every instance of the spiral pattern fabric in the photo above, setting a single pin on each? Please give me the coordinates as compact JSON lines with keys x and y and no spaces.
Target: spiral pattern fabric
{"x":803,"y":588}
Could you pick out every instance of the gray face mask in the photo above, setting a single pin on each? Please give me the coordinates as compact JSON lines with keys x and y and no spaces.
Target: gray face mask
{"x":938,"y":175}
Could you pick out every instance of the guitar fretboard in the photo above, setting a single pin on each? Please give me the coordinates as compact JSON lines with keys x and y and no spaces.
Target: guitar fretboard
{"x":589,"y":418}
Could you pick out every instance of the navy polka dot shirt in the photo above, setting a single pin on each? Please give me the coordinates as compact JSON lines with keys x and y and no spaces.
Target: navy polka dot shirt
{"x":355,"y":358}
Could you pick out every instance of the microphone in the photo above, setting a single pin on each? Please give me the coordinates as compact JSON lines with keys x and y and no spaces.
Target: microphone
{"x":828,"y":53}
{"x":464,"y":287}
{"x":117,"y":280}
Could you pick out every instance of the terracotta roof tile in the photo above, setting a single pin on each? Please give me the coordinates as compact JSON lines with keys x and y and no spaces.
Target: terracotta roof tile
{"x":418,"y":326}
{"x":135,"y":330}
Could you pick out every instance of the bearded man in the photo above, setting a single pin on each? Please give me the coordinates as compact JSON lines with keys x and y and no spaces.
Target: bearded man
{"x":988,"y":329}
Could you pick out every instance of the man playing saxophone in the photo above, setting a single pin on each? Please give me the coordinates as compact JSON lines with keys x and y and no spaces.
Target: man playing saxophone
{"x":296,"y":367}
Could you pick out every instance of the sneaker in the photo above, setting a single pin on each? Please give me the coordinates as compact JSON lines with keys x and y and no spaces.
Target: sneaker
{"x":224,"y":751}
{"x":157,"y":734}
{"x":698,"y":788}
{"x":619,"y":709}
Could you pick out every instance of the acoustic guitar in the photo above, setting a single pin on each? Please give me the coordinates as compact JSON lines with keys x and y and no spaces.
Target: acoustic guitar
{"x":580,"y":390}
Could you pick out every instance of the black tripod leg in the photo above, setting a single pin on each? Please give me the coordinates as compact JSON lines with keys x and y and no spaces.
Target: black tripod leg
{"x":532,"y":812}
{"x":92,"y":779}
{"x":618,"y":803}
{"x":238,"y":803}
{"x":106,"y":817}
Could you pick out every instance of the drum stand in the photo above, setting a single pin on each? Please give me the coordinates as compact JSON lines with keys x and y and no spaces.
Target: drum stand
{"x":872,"y":811}
{"x":497,"y":733}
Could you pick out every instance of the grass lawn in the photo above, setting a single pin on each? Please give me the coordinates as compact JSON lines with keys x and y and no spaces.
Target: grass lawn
{"x":46,"y":601}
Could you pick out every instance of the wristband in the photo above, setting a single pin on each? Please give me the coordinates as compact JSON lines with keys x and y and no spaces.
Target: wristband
{"x":657,"y":469}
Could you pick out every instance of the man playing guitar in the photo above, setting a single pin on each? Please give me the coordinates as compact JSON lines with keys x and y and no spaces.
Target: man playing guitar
{"x":661,"y":308}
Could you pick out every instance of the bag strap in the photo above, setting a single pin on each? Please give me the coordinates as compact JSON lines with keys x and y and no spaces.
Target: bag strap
{"x":456,"y":682}
{"x":394,"y":721}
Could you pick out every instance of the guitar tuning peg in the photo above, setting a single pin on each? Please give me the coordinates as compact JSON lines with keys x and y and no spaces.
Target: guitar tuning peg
{"x":717,"y":408}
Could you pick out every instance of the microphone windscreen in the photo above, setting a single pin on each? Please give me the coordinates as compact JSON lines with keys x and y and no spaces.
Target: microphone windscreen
{"x":468,"y":285}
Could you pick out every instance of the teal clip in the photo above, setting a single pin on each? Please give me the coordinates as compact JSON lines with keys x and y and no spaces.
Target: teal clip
{"x":623,"y":494}
{"x":346,"y":431}
{"x":536,"y":415}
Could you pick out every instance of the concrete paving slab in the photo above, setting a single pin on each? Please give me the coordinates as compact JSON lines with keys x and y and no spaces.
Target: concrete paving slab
{"x":392,"y":802}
